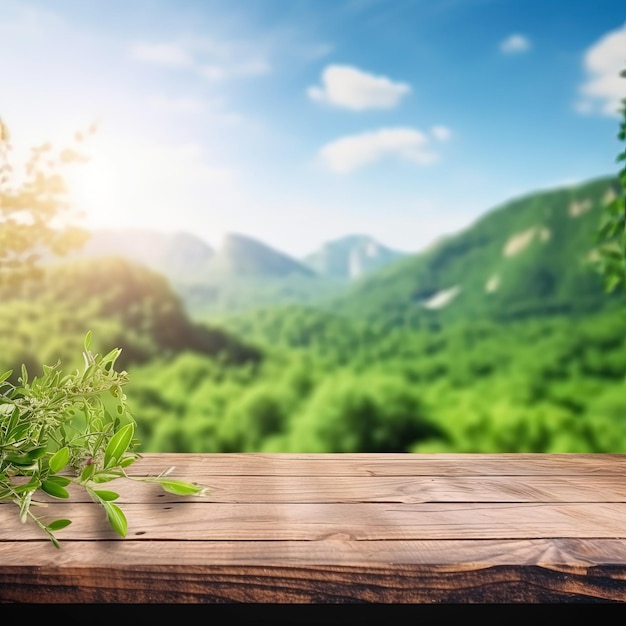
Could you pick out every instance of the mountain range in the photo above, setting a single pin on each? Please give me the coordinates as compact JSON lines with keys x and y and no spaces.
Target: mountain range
{"x":531,"y":255}
{"x":243,"y":272}
{"x":186,"y":258}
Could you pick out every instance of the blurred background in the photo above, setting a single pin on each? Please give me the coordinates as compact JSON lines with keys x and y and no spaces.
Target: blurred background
{"x":322,"y":225}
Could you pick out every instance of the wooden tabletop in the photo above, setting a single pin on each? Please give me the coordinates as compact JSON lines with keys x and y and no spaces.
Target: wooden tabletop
{"x":336,"y":528}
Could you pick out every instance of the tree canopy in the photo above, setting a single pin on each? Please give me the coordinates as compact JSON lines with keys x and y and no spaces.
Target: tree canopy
{"x":35,"y":215}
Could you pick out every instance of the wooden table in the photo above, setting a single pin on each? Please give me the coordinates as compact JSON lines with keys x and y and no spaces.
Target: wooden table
{"x":337,"y":528}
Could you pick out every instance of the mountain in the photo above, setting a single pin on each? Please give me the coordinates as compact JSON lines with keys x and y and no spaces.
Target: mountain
{"x":185,"y":258}
{"x":239,"y":256}
{"x":351,"y":257}
{"x":530,"y":256}
{"x":246,"y":274}
{"x":181,"y":257}
{"x":242,"y":274}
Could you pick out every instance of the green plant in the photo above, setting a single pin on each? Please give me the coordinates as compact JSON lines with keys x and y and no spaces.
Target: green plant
{"x":61,"y":429}
{"x":611,"y":235}
{"x":34,"y":211}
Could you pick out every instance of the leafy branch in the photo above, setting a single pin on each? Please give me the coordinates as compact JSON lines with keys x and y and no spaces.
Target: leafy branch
{"x":75,"y":428}
{"x":611,"y":235}
{"x":35,"y":215}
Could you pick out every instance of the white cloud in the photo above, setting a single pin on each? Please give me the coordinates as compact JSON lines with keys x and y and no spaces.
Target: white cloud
{"x":442,"y":133}
{"x":171,"y":55}
{"x":355,"y":151}
{"x":603,"y":62}
{"x":210,"y":59}
{"x":349,"y":87}
{"x":515,"y":44}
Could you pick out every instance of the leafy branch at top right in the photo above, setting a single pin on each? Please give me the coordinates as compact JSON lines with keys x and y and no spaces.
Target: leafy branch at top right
{"x":611,"y":235}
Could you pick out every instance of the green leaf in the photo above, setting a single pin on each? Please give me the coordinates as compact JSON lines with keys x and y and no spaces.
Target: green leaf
{"x":55,"y":541}
{"x":25,"y":506}
{"x":116,"y":518}
{"x":62,"y":481}
{"x":19,"y":432}
{"x":26,"y":459}
{"x":88,"y":372}
{"x":87,"y":472}
{"x":129,"y":460}
{"x":24,"y":379}
{"x":105,"y":477}
{"x":37,"y":453}
{"x":118,"y":445}
{"x":179,"y":487}
{"x":87,"y":342}
{"x":103,"y":494}
{"x":108,"y":360}
{"x":12,"y":424}
{"x":5,"y":375}
{"x":54,"y":490}
{"x":59,"y":460}
{"x":58,"y":524}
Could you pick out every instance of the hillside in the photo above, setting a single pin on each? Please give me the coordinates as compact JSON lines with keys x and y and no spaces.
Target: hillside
{"x":528,"y":257}
{"x":124,"y":304}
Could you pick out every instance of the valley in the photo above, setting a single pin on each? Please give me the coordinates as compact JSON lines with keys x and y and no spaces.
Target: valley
{"x":499,"y":338}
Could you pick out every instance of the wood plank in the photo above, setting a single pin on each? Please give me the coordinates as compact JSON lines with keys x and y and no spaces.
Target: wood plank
{"x":339,"y":528}
{"x":312,"y":489}
{"x":390,"y":464}
{"x":314,"y":522}
{"x":387,"y":572}
{"x":563,"y":554}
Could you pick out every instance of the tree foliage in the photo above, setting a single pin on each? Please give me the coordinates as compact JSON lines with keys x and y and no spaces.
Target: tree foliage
{"x":35,"y":215}
{"x":612,"y":231}
{"x":58,"y":429}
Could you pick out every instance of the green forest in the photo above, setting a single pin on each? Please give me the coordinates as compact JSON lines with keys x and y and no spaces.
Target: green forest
{"x":506,"y":337}
{"x":294,"y":379}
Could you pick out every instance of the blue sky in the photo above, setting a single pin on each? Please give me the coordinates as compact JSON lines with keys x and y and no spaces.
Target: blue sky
{"x":300,"y":121}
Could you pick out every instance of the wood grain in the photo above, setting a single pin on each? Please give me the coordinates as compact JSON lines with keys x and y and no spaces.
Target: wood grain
{"x":346,"y":489}
{"x":390,"y":464}
{"x":426,"y":529}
